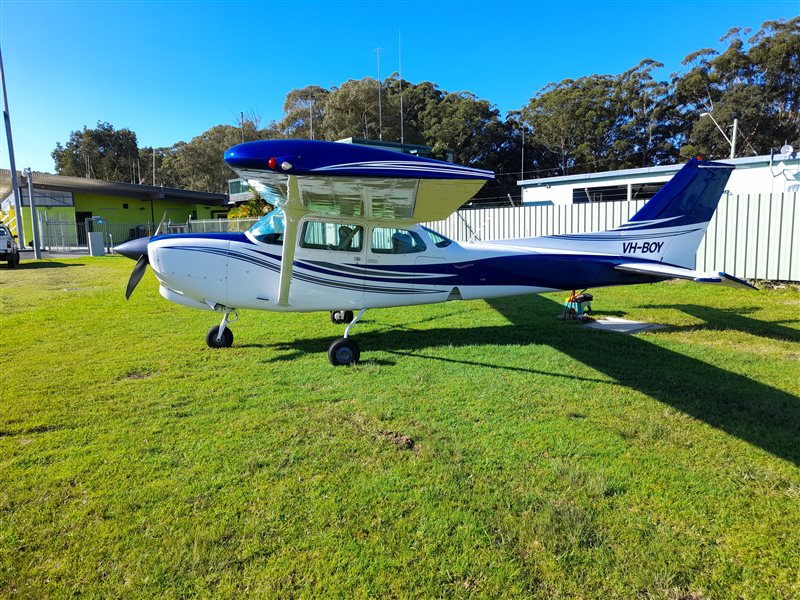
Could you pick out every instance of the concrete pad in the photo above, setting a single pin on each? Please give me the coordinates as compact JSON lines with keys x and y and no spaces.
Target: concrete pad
{"x":623,"y":325}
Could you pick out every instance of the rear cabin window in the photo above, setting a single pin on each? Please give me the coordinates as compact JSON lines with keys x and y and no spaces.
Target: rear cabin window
{"x":319,"y":235}
{"x":396,"y":241}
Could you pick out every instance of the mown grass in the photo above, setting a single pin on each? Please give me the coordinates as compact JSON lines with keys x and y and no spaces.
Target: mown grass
{"x":480,"y":449}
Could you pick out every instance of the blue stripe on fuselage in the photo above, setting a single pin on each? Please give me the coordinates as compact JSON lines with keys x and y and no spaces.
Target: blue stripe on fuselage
{"x":226,"y":236}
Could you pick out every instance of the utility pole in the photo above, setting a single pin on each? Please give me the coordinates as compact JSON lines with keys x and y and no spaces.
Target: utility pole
{"x":400,"y":73}
{"x":522,"y":160}
{"x":241,"y":122}
{"x":380,"y":113}
{"x":311,"y":117}
{"x":37,"y":253}
{"x":733,"y":137}
{"x":12,"y":163}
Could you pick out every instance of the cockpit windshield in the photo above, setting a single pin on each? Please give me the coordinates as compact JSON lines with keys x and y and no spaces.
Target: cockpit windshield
{"x":269,"y":228}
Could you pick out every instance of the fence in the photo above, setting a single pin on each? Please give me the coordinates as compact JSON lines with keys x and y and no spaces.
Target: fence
{"x":755,"y":236}
{"x":59,"y":235}
{"x":220,"y":225}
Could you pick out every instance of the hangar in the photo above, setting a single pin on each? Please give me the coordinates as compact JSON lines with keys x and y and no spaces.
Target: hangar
{"x":753,"y":175}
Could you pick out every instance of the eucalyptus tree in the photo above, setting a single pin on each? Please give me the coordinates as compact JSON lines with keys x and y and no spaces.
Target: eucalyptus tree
{"x":754,"y":80}
{"x":99,"y":153}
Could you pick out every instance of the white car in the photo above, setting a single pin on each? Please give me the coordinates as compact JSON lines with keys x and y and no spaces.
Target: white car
{"x":9,"y":251}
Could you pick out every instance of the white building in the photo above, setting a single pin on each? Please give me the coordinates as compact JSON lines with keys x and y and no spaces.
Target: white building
{"x":753,"y":175}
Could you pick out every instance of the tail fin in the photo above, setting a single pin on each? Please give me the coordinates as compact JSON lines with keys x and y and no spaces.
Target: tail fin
{"x":678,"y":214}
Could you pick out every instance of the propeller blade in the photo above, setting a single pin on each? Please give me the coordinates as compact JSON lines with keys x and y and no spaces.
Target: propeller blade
{"x":136,"y":276}
{"x":160,"y":223}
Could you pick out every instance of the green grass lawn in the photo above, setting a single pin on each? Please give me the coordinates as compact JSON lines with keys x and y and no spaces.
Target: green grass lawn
{"x":480,"y":449}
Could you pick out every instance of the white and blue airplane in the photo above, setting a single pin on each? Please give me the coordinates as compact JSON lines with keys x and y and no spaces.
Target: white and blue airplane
{"x":345,"y":236}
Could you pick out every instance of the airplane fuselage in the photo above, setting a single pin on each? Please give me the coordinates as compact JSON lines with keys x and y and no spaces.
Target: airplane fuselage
{"x":239,"y":271}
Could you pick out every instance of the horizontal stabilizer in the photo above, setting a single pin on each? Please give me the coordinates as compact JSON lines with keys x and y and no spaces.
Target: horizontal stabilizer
{"x":659,"y":270}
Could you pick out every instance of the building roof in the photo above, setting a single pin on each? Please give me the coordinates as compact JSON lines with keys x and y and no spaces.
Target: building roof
{"x":64,"y":183}
{"x":747,"y":161}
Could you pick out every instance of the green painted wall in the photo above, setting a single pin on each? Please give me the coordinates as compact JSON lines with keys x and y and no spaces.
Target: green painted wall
{"x":122,"y":221}
{"x":53,"y":213}
{"x":112,"y":208}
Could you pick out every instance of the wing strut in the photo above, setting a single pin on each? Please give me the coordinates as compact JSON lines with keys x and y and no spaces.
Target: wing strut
{"x":293,"y":210}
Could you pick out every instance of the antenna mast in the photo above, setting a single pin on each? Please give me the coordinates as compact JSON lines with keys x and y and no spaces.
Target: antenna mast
{"x":380,"y":112}
{"x":400,"y":73}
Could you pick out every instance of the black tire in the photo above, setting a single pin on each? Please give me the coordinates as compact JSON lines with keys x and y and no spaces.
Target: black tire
{"x":225,"y":342}
{"x":339,"y":317}
{"x":344,"y":351}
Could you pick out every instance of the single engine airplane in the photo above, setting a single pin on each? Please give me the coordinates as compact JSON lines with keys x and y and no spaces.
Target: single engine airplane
{"x":345,"y":236}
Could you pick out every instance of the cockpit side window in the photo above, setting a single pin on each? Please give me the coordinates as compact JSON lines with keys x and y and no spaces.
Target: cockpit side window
{"x":341,"y":237}
{"x":269,"y":228}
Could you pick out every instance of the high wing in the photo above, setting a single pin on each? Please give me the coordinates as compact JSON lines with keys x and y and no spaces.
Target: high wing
{"x":673,"y":272}
{"x":350,"y":180}
{"x":346,"y":180}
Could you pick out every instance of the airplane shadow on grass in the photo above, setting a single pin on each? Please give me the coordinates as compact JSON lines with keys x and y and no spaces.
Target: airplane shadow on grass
{"x":754,"y":412}
{"x":734,"y":319}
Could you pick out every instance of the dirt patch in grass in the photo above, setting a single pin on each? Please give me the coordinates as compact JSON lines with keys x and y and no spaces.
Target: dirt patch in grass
{"x":400,"y":440}
{"x":138,"y":373}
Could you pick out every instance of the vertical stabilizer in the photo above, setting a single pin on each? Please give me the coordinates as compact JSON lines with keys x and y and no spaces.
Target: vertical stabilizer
{"x":676,"y":218}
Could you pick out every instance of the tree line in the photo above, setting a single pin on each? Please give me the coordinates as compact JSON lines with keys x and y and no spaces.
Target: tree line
{"x":594,"y":123}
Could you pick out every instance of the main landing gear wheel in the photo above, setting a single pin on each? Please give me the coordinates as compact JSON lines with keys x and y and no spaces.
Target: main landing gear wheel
{"x":344,"y":351}
{"x":339,"y":317}
{"x":226,"y":341}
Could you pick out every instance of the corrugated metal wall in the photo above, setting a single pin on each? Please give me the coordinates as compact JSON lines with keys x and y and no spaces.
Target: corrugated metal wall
{"x":755,"y":236}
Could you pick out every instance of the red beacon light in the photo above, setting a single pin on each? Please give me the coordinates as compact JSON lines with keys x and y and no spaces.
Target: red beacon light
{"x":272,"y":162}
{"x":699,"y":157}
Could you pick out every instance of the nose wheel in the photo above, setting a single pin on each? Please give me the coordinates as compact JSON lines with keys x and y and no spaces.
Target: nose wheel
{"x":344,"y":352}
{"x":215,"y":340}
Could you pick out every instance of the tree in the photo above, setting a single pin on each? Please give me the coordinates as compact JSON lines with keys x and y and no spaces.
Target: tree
{"x":645,"y":128}
{"x":199,"y":164}
{"x":464,"y":125}
{"x":574,"y":122}
{"x":256,"y":207}
{"x":759,"y":85}
{"x":352,"y":110}
{"x":304,"y":112}
{"x":99,"y":153}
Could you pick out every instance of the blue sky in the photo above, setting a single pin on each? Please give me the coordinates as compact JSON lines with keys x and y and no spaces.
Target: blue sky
{"x":170,"y":70}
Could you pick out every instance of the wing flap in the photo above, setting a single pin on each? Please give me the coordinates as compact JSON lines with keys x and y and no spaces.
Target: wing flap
{"x":659,"y":270}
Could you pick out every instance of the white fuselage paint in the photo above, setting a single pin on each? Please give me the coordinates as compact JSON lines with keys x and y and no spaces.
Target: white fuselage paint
{"x":207,"y":272}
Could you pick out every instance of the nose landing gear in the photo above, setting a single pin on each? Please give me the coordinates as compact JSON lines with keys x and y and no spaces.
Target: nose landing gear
{"x":220,"y":336}
{"x":345,"y":351}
